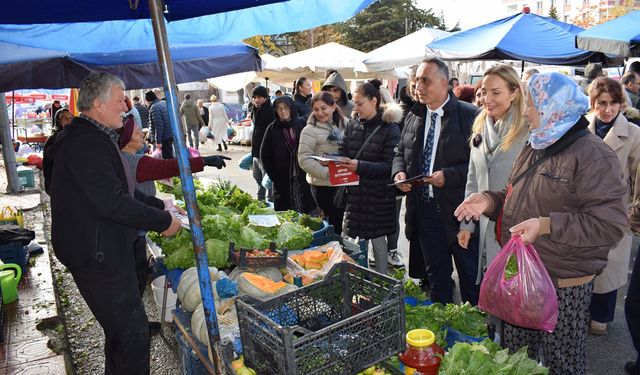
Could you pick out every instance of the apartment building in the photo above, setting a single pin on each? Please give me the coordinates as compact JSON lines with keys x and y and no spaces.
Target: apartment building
{"x":567,"y":10}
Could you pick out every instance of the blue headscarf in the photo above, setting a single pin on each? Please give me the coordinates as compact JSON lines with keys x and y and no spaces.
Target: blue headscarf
{"x":560,"y":102}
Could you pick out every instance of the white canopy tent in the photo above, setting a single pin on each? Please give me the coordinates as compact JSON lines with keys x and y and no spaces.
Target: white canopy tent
{"x":406,"y":51}
{"x":314,"y":63}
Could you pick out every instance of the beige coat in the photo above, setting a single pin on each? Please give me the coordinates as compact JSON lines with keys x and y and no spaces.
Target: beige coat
{"x":314,"y":142}
{"x":488,"y":172}
{"x":624,"y":140}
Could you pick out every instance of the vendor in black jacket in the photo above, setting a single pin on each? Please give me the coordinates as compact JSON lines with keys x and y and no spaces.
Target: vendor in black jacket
{"x":443,"y":156}
{"x":95,"y":217}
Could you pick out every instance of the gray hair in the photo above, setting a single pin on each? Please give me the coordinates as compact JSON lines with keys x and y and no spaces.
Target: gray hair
{"x":442,"y":67}
{"x":96,"y":86}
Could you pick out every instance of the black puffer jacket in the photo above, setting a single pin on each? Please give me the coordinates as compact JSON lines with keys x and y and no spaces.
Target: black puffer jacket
{"x":452,"y":157}
{"x":261,"y":118}
{"x":291,"y":191}
{"x":370,"y":210}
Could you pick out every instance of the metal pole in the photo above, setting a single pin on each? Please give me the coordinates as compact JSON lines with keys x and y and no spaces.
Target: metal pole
{"x":13,"y":113}
{"x":156,"y":9}
{"x":9,"y":155}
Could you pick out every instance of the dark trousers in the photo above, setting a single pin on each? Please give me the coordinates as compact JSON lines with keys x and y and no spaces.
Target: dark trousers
{"x":437,"y":253}
{"x":117,"y":306}
{"x":167,"y":149}
{"x":142,"y":264}
{"x":324,"y":198}
{"x":392,"y":239}
{"x":632,"y":307}
{"x":603,"y":306}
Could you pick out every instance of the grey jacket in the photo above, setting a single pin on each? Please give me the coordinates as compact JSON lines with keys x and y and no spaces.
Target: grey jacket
{"x":488,"y":171}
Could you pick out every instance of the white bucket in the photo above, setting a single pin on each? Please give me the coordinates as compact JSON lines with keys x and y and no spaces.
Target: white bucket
{"x":157,"y":285}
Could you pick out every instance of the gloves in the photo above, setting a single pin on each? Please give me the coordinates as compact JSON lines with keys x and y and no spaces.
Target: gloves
{"x":215,"y":161}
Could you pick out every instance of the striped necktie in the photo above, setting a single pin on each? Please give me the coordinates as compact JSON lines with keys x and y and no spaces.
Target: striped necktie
{"x":428,"y":150}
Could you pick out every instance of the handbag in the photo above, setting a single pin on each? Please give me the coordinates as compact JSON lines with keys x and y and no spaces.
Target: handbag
{"x":340,"y":196}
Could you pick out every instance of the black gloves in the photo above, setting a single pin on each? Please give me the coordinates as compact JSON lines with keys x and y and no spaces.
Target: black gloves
{"x":215,"y":161}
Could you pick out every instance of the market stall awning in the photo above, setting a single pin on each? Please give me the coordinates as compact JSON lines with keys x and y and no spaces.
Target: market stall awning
{"x":406,"y":51}
{"x":619,"y":36}
{"x":45,"y":11}
{"x":524,"y":36}
{"x":314,"y":63}
{"x":43,"y":56}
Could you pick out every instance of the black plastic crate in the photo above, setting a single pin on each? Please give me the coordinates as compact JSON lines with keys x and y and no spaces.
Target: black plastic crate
{"x":15,"y":252}
{"x":351,"y":320}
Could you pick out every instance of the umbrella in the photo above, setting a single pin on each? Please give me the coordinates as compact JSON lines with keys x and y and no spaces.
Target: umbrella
{"x":233,"y":15}
{"x":619,"y":36}
{"x":406,"y":51}
{"x":523,"y":36}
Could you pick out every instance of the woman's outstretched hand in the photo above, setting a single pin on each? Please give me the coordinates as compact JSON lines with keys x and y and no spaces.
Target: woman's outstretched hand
{"x":472,"y":207}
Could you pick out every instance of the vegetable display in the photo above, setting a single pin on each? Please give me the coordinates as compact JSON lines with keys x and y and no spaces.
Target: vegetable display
{"x":225,"y":211}
{"x":436,"y":317}
{"x":488,"y":358}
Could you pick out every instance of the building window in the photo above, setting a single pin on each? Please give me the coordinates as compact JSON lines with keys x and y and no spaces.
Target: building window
{"x":539,"y":5}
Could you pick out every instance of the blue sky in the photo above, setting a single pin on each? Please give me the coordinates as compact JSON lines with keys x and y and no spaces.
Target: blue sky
{"x":470,"y":13}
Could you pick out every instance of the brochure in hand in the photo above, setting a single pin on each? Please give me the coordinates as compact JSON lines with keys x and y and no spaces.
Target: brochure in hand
{"x":414,"y":181}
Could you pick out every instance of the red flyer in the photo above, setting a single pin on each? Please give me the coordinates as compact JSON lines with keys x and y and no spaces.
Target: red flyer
{"x":341,"y":176}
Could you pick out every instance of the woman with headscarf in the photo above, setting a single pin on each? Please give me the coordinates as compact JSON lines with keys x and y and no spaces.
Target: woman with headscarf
{"x":218,"y":120}
{"x":146,"y":169}
{"x":608,"y":122}
{"x":279,"y":157}
{"x":567,"y":198}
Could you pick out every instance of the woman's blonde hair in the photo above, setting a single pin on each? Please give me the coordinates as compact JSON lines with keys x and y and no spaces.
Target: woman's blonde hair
{"x":517,"y":125}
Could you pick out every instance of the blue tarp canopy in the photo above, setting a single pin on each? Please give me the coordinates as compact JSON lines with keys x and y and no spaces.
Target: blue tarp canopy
{"x":60,"y":55}
{"x":48,"y":11}
{"x":53,"y":55}
{"x":523,"y":36}
{"x":619,"y":36}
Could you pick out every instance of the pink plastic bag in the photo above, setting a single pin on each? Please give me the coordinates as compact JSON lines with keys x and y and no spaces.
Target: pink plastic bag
{"x":527,"y":299}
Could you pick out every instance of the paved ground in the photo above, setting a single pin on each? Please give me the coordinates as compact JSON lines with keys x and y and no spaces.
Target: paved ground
{"x":28,"y":353}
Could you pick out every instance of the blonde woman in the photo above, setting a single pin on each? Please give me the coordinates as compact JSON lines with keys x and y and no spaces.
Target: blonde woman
{"x":218,"y":120}
{"x":499,"y":133}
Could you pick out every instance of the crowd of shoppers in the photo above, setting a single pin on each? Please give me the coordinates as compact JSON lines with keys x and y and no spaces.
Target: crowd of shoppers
{"x":533,"y":157}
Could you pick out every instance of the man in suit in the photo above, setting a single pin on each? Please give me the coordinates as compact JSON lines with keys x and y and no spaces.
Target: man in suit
{"x":435,"y":143}
{"x":96,"y":214}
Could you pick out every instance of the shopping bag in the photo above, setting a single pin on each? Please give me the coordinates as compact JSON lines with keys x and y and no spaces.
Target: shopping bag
{"x":246,"y":162}
{"x":517,"y":288}
{"x":11,"y":215}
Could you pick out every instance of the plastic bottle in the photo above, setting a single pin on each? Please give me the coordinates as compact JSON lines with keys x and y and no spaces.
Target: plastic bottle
{"x":421,"y":356}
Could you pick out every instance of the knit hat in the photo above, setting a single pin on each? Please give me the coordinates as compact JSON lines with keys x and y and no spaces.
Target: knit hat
{"x":150,"y":96}
{"x":260,"y":91}
{"x":126,"y":131}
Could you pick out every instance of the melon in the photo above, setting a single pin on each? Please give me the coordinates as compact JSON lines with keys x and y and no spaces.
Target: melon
{"x":189,"y":287}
